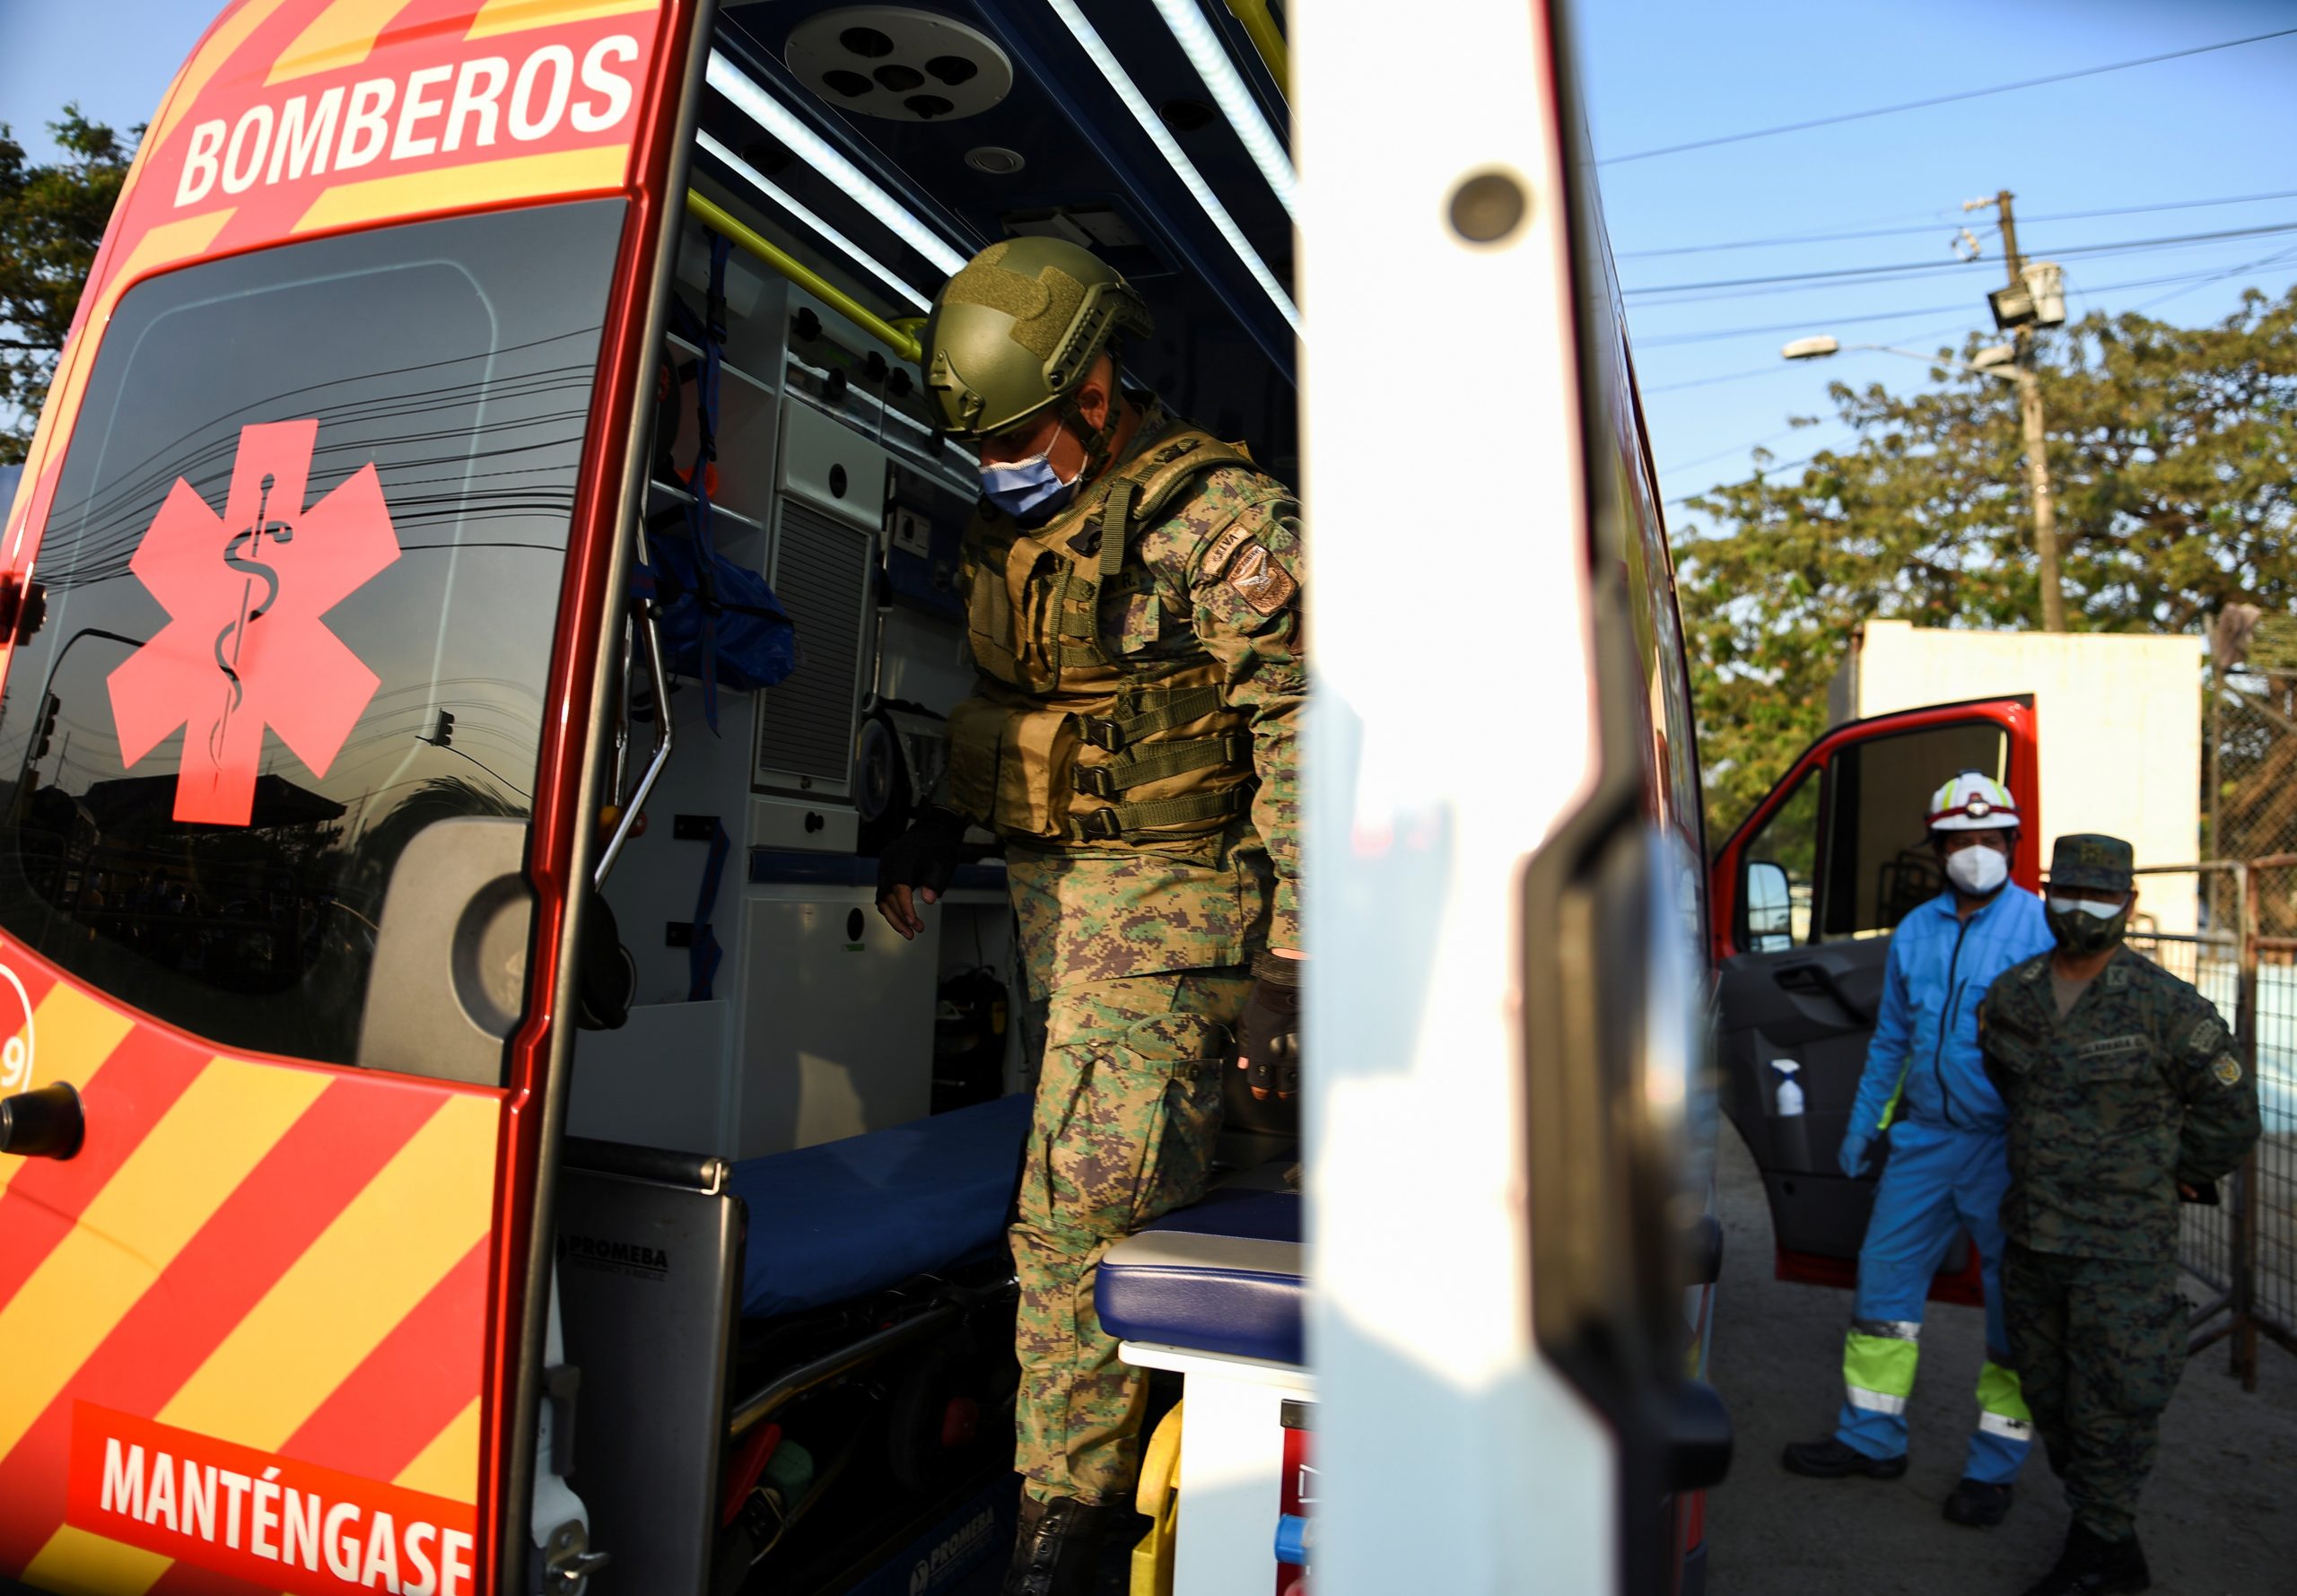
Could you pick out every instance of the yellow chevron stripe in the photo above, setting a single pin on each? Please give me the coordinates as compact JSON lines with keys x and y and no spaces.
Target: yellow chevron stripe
{"x":222,"y":44}
{"x":159,"y":246}
{"x":389,"y":1245}
{"x":516,"y":16}
{"x":341,"y":35}
{"x":448,"y":1466}
{"x":488,"y":182}
{"x":75,"y":1563}
{"x":72,"y":1036}
{"x":228,"y":1117}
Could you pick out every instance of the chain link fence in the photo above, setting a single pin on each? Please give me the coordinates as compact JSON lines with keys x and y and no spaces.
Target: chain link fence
{"x":2243,"y":1252}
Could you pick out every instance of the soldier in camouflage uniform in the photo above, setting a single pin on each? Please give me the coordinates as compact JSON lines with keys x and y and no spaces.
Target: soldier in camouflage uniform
{"x":2125,"y":1094}
{"x":1133,"y":589}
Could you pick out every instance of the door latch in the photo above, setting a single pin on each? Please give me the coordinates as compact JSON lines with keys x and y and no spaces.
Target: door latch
{"x":568,"y":1561}
{"x":45,"y":1123}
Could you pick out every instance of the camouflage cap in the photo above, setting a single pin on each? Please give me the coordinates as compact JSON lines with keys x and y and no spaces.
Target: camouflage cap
{"x":2088,"y":859}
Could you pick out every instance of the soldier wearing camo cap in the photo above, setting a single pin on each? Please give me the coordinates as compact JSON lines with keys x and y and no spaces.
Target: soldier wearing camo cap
{"x":2125,"y":1094}
{"x":1134,"y":594}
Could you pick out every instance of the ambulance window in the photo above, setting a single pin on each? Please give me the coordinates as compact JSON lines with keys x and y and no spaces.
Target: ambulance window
{"x":1777,"y":889}
{"x":1878,"y":864}
{"x":301,"y":572}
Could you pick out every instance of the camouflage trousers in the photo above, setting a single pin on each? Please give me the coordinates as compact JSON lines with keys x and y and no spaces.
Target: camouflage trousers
{"x":2098,"y":1344}
{"x":1128,"y":1108}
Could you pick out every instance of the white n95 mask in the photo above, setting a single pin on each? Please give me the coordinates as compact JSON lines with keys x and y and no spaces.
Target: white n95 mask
{"x":1978,"y":870}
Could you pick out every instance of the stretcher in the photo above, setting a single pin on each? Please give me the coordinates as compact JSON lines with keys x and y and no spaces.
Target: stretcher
{"x":845,"y":1219}
{"x":849,"y":1305}
{"x":1218,"y":1294}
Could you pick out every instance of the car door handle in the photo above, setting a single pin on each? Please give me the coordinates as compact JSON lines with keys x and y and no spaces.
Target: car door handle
{"x":1819,"y":978}
{"x":45,"y":1123}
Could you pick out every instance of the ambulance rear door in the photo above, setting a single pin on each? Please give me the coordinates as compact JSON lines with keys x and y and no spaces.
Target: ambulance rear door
{"x":292,"y":597}
{"x":1804,"y":895}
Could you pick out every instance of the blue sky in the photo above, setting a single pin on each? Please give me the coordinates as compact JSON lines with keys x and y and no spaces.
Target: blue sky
{"x":1665,"y":71}
{"x":2205,"y":127}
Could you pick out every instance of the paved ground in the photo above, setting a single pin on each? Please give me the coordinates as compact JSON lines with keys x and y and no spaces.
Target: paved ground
{"x":2218,"y":1520}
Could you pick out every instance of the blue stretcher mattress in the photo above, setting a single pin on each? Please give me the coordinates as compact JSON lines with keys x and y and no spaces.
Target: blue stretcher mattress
{"x":848,"y":1217}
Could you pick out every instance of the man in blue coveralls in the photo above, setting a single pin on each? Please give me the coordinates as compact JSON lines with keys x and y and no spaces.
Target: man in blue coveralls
{"x":1924,"y":1084}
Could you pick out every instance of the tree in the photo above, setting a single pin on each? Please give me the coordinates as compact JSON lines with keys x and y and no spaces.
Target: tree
{"x":51,"y":220}
{"x":2170,"y":450}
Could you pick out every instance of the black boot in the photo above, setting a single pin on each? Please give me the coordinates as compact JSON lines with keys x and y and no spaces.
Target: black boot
{"x":1832,"y":1460}
{"x":1058,"y":1552}
{"x":1978,"y":1504}
{"x":2091,"y":1566}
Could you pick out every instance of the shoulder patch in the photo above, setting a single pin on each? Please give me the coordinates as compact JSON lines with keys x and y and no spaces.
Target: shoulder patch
{"x":2228,"y":1070}
{"x":2206,"y":1036}
{"x":1224,"y":546}
{"x":1260,"y":580}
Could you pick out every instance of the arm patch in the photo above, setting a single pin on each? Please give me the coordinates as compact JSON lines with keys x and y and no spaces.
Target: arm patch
{"x":1260,"y":580}
{"x":1223,"y":546}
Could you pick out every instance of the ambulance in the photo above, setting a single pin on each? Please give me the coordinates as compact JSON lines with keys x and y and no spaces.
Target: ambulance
{"x":482,"y":591}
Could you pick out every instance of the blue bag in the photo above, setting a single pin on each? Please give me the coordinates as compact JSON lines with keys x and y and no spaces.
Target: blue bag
{"x":756,"y":643}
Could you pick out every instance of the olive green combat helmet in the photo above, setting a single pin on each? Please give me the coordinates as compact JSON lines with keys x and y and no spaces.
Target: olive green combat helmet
{"x":1016,"y":332}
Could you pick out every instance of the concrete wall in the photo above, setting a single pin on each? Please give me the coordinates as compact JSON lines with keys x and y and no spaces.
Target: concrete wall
{"x":2120,"y":718}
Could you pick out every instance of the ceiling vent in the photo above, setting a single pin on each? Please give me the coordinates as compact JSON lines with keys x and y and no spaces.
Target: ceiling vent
{"x":902,"y":64}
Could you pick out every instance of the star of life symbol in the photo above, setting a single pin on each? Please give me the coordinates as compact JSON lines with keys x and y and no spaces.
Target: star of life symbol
{"x":244,"y":647}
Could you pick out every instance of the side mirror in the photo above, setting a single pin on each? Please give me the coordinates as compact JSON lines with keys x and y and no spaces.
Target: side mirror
{"x":1770,"y":908}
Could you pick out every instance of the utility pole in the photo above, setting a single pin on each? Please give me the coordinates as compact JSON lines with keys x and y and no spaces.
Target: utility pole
{"x":2029,"y":414}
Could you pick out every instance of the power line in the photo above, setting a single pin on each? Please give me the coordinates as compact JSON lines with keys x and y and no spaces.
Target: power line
{"x":1942,"y":221}
{"x":1667,"y":340}
{"x":1758,"y":476}
{"x":1916,"y":105}
{"x":1765,"y":368}
{"x":2246,"y":265}
{"x":1924,"y":267}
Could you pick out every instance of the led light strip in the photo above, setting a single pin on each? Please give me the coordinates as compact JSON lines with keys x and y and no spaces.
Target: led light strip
{"x":1229,"y":92}
{"x":788,"y":202}
{"x":810,"y":147}
{"x":1088,"y":38}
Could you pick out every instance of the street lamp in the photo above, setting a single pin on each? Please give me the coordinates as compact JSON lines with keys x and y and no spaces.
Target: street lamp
{"x":2001,"y":361}
{"x":1982,"y":362}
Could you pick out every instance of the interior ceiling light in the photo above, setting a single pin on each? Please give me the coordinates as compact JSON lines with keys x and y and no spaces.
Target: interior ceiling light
{"x":1089,"y":40}
{"x":1205,"y":53}
{"x":789,"y":203}
{"x":896,"y":62}
{"x":816,"y":151}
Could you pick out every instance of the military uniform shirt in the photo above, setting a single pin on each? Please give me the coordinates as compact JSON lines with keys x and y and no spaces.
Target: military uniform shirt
{"x":1099,"y":913}
{"x":2137,"y":1088}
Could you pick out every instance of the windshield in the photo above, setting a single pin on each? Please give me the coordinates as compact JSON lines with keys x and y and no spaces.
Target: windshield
{"x":300,"y":577}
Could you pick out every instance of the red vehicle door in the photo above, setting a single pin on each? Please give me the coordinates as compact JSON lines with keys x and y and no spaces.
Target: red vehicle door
{"x":1805,"y":892}
{"x":292,"y":597}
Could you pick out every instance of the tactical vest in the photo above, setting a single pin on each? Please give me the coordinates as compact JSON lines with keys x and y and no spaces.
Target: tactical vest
{"x":1069,"y":738}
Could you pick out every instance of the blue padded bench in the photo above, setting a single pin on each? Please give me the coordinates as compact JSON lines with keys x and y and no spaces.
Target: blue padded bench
{"x":848,"y":1217}
{"x":1223,"y":1277}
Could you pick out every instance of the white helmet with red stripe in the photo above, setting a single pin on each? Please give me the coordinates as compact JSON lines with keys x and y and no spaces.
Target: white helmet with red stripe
{"x":1973,"y":803}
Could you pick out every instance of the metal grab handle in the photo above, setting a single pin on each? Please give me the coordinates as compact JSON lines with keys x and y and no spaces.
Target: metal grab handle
{"x":1818,"y":978}
{"x":652,"y":632}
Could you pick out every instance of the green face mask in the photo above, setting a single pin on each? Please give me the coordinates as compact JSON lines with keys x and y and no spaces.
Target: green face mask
{"x":2081,"y":929}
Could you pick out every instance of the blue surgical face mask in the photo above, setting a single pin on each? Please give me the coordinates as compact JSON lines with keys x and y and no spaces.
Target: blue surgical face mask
{"x":1027,"y":490}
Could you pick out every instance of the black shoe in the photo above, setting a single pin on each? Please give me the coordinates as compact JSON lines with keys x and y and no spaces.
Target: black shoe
{"x":1978,"y":1504}
{"x":2091,"y":1566}
{"x":1058,"y":1552}
{"x":1832,"y":1460}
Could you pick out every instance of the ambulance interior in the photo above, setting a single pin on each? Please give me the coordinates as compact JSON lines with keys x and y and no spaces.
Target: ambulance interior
{"x":781,"y":1266}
